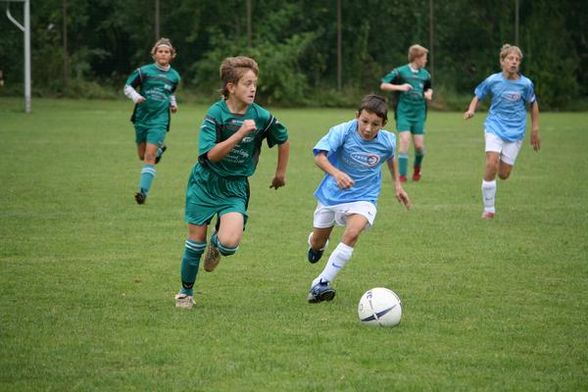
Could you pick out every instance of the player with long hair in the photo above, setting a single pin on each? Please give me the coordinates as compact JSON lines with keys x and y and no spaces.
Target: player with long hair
{"x":152,"y":88}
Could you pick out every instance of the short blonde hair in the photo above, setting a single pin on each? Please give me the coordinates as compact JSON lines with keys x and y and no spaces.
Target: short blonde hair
{"x":508,"y":48}
{"x":164,"y":42}
{"x":416,"y":51}
{"x":232,"y":70}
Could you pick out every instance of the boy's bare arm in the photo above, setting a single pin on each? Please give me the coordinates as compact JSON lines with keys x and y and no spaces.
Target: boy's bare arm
{"x":343,"y":179}
{"x":279,"y":179}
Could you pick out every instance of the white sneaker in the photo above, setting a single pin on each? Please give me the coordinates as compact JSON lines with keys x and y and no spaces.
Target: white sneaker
{"x":184,"y":301}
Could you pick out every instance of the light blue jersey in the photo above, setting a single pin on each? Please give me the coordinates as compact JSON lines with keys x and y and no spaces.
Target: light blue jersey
{"x":361,"y":159}
{"x":507,"y":117}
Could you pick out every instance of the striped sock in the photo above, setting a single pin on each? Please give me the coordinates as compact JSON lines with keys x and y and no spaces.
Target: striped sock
{"x":224,"y":250}
{"x":419,"y":155}
{"x":147,"y":174}
{"x":402,"y":164}
{"x":190,"y":262}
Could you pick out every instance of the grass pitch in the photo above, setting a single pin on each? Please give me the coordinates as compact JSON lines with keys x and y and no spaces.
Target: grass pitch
{"x":87,"y":277}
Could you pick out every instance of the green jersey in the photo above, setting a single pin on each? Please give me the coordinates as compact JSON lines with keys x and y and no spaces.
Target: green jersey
{"x":220,"y":124}
{"x":420,"y":80}
{"x":156,"y":85}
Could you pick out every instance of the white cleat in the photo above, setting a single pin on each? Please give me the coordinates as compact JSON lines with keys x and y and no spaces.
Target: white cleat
{"x":184,"y":301}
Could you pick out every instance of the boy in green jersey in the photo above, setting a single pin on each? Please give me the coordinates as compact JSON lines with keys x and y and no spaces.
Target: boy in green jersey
{"x":152,"y":87}
{"x":230,"y":141}
{"x":412,"y":85}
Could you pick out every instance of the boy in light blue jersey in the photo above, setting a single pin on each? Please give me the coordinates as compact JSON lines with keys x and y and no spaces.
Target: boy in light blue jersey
{"x":351,"y":155}
{"x":506,"y":122}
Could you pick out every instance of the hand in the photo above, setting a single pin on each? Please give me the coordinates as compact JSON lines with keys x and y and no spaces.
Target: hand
{"x":247,"y":127}
{"x":535,"y":140}
{"x":277,"y":182}
{"x":403,"y":198}
{"x":405,"y":87}
{"x":140,"y":99}
{"x":469,"y":114}
{"x":173,"y":108}
{"x":344,"y":181}
{"x":428,"y":95}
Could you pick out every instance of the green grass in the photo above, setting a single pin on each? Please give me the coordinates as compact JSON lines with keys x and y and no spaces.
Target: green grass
{"x":87,"y":277}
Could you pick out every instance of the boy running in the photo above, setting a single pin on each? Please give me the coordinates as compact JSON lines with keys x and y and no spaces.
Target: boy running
{"x":412,"y":85}
{"x":351,"y":155}
{"x":506,"y":122}
{"x":230,"y":142}
{"x":152,"y":87}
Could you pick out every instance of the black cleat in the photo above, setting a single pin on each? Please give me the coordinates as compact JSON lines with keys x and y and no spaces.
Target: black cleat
{"x":158,"y":158}
{"x":140,"y":197}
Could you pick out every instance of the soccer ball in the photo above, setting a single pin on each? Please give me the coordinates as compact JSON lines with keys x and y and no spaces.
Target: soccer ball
{"x":380,"y":307}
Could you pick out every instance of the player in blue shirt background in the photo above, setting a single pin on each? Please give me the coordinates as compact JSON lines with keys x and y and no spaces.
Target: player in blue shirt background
{"x":506,"y":122}
{"x":351,"y":155}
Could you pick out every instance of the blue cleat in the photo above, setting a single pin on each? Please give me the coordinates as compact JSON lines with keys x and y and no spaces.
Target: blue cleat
{"x":320,"y":292}
{"x":315,"y":255}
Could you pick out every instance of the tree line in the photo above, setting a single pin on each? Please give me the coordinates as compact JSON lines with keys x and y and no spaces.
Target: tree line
{"x":323,"y":52}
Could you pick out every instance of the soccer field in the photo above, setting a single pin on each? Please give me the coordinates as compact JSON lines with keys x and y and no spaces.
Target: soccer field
{"x":87,"y":277}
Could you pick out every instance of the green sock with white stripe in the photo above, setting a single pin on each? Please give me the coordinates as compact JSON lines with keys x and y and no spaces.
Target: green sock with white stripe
{"x":190,"y":261}
{"x":402,"y":164}
{"x":147,"y":174}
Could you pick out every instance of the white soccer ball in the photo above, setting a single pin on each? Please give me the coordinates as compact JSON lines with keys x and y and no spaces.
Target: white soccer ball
{"x":380,"y":307}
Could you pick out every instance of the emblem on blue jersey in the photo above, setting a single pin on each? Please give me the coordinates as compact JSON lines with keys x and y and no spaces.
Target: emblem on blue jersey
{"x":370,"y":160}
{"x":512,"y":96}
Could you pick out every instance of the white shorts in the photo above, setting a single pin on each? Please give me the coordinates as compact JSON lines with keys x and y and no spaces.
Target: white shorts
{"x":328,"y":216}
{"x":508,"y":150}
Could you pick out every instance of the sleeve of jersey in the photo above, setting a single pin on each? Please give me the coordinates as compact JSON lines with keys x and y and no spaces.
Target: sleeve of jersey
{"x":135,"y":79}
{"x":208,"y":133}
{"x":530,"y":93}
{"x":391,"y":140}
{"x":177,"y":82}
{"x":391,"y":76}
{"x":428,"y":83}
{"x":277,"y":133}
{"x":332,"y":140}
{"x":482,"y":89}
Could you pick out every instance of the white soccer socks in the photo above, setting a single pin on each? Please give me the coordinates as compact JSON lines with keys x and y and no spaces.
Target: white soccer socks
{"x":489,"y":195}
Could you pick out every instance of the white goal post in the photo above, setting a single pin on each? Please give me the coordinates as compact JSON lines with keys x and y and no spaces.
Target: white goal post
{"x":26,"y":29}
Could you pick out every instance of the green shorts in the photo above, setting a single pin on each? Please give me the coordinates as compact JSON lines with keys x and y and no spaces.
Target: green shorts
{"x":151,"y":135}
{"x":411,"y":119}
{"x":208,"y":195}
